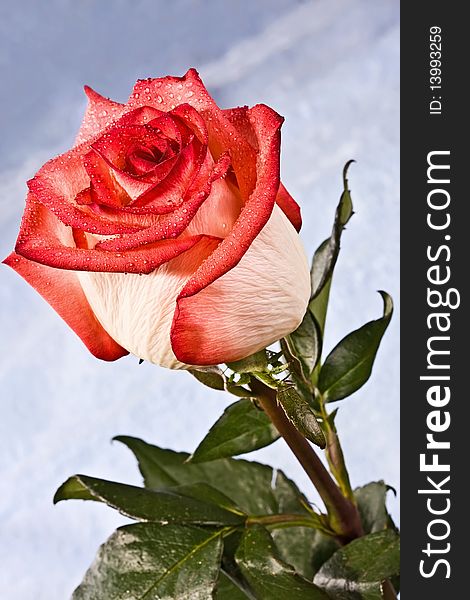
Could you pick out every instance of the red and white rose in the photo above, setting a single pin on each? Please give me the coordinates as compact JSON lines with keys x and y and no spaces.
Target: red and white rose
{"x":165,"y":230}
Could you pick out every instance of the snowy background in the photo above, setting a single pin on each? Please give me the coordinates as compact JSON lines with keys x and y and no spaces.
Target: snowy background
{"x":331,"y":68}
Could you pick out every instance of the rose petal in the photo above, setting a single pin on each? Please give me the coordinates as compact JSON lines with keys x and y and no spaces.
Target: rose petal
{"x":45,"y":239}
{"x":240,"y":118}
{"x":62,"y":290}
{"x":100,"y":113}
{"x":177,"y":222}
{"x":289,"y":207}
{"x":163,"y":188}
{"x":169,"y":194}
{"x":57,"y":184}
{"x":258,"y":302}
{"x":192,"y":119}
{"x":257,"y":210}
{"x":104,"y":189}
{"x":168,"y":92}
{"x":138,"y":311}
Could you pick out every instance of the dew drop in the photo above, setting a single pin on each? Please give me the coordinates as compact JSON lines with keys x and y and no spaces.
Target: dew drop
{"x":159,"y":99}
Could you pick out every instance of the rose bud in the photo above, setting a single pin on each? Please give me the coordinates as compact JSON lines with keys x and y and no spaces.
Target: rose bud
{"x":165,"y":230}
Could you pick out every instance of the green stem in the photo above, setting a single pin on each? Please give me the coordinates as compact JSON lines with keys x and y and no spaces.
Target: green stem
{"x":282,"y":520}
{"x":343,"y":515}
{"x":335,"y":456}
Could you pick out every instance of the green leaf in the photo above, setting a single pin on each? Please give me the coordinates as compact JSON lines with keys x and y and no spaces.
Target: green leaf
{"x":228,"y":588}
{"x":206,"y":493}
{"x":305,"y":344}
{"x":301,"y":415}
{"x":326,"y":255}
{"x":147,"y":505}
{"x":213,"y":377}
{"x":268,"y":575}
{"x":238,"y":390}
{"x":324,"y":260}
{"x":318,"y":308}
{"x":349,"y":364}
{"x":323,"y":548}
{"x":255,"y":488}
{"x":371,"y":500}
{"x":250,"y":364}
{"x":242,"y":428}
{"x":304,"y":548}
{"x":357,"y":570}
{"x":145,"y":560}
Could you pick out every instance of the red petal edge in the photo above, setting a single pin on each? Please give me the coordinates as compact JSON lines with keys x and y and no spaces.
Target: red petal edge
{"x":177,"y":222}
{"x":289,"y":207}
{"x":168,"y":92}
{"x":99,"y":114}
{"x":187,"y":345}
{"x":43,"y":238}
{"x":62,"y":290}
{"x":239,"y":117}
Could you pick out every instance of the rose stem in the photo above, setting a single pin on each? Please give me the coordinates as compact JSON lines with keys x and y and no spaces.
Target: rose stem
{"x":344,"y":516}
{"x":388,"y":591}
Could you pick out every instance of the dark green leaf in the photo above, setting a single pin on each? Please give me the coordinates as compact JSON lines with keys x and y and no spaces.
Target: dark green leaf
{"x":349,"y":364}
{"x":318,"y":307}
{"x":371,"y":504}
{"x":206,"y":493}
{"x":325,"y":257}
{"x":305,"y":344}
{"x":242,"y":428}
{"x":147,"y":505}
{"x":250,"y":364}
{"x":268,"y":575}
{"x":324,"y":261}
{"x":322,"y":266}
{"x":213,"y":377}
{"x":323,"y":548}
{"x":228,"y":588}
{"x":357,"y":570}
{"x":295,"y":366}
{"x":145,"y":560}
{"x":301,"y":415}
{"x":304,"y":548}
{"x":238,"y":390}
{"x":228,"y":565}
{"x":255,"y":488}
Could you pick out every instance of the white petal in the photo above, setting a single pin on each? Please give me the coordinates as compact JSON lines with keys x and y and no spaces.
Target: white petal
{"x":262,"y":299}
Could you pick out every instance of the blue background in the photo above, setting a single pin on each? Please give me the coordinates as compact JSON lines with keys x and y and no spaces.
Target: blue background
{"x":331,"y":68}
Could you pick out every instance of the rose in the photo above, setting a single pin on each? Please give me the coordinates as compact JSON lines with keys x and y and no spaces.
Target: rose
{"x":165,"y":230}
